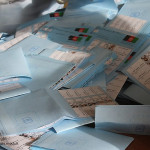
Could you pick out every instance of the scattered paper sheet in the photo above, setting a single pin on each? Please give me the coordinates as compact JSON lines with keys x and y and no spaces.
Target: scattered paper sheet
{"x":84,"y":100}
{"x":115,"y":86}
{"x":14,"y":41}
{"x":13,"y":64}
{"x":139,"y":69}
{"x":138,"y":94}
{"x":128,"y":24}
{"x":78,"y":139}
{"x":133,"y":119}
{"x":20,"y":142}
{"x":121,"y":52}
{"x":32,"y":111}
{"x":70,"y":56}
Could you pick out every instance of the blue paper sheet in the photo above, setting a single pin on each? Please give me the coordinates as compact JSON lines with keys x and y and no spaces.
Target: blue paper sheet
{"x":138,"y":94}
{"x":133,"y":18}
{"x":12,"y":90}
{"x":71,"y":124}
{"x":13,"y":65}
{"x":133,"y":119}
{"x":83,"y":138}
{"x":34,"y":45}
{"x":138,"y":69}
{"x":26,"y":113}
{"x":103,"y":7}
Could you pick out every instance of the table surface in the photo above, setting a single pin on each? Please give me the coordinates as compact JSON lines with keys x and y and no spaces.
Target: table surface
{"x":141,"y":142}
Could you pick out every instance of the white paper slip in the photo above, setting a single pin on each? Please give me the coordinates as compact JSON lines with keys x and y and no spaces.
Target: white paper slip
{"x":139,"y":69}
{"x":138,"y":94}
{"x":30,"y":29}
{"x":83,"y":138}
{"x":127,"y":24}
{"x":133,"y":119}
{"x":69,"y":56}
{"x":115,"y":86}
{"x":17,"y":142}
{"x":121,"y":52}
{"x":84,"y":100}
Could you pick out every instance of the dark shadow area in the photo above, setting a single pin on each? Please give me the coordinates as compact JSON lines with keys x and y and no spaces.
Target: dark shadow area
{"x":35,"y":9}
{"x":14,"y":14}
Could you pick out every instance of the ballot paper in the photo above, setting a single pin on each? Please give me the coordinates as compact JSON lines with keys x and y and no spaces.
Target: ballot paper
{"x":71,"y":124}
{"x":77,"y":139}
{"x":120,"y":39}
{"x":82,"y":62}
{"x":14,"y":41}
{"x":11,"y":90}
{"x":69,"y":56}
{"x":34,"y":25}
{"x":34,"y":46}
{"x":30,"y":29}
{"x":32,"y":111}
{"x":134,"y":119}
{"x":137,"y":94}
{"x":16,"y":142}
{"x":46,"y":71}
{"x":65,"y":37}
{"x":19,"y":142}
{"x":84,"y":100}
{"x":98,"y":80}
{"x":115,"y":86}
{"x":132,"y":18}
{"x":15,"y":67}
{"x":102,"y":58}
{"x":77,"y":57}
{"x":106,"y":7}
{"x":87,"y":65}
{"x":122,"y":53}
{"x":105,"y":39}
{"x":139,"y":70}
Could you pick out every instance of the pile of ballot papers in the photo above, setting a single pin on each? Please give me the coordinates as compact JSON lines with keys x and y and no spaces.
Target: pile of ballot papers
{"x":64,"y":70}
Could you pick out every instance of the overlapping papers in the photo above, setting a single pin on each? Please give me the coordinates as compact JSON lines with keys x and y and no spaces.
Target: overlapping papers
{"x":66,"y":69}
